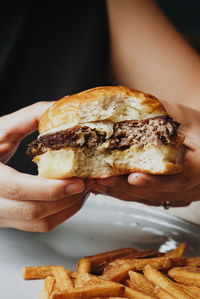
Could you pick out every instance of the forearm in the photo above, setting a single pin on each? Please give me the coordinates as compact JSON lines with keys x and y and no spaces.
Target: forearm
{"x":148,"y":54}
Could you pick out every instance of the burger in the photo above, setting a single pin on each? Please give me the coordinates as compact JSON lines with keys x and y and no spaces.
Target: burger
{"x":106,"y":131}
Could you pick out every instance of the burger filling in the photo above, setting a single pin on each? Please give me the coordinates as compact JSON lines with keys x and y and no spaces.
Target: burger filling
{"x":146,"y":132}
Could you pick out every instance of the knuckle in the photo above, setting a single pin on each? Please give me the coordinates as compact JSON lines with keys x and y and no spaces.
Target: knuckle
{"x":15,"y":191}
{"x":39,"y":103}
{"x":31,"y":212}
{"x":50,"y":196}
{"x":54,"y":193}
{"x":44,"y":226}
{"x":5,"y":134}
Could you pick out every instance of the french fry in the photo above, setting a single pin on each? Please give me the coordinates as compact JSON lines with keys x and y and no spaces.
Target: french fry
{"x":177,"y":252}
{"x":73,"y":276}
{"x":63,"y":280}
{"x":186,"y":275}
{"x":178,"y":261}
{"x":47,"y":287}
{"x":141,"y":284}
{"x":100,"y":261}
{"x":118,"y":270}
{"x":130,"y":284}
{"x":133,"y":294}
{"x":99,"y":268}
{"x":55,"y":288}
{"x":84,"y":266}
{"x":149,"y":253}
{"x":195,"y":291}
{"x":39,"y":272}
{"x":162,"y":294}
{"x":113,"y":269}
{"x":159,"y":279}
{"x":110,"y":255}
{"x":89,"y":279}
{"x":93,"y":291}
{"x":192,"y":262}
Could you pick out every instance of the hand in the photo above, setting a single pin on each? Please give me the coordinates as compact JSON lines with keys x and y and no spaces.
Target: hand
{"x":29,"y":202}
{"x":180,"y":189}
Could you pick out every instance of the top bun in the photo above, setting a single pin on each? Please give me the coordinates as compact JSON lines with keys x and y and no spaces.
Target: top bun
{"x":107,"y":103}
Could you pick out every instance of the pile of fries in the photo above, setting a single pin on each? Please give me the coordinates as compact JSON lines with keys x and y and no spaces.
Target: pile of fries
{"x":123,"y":273}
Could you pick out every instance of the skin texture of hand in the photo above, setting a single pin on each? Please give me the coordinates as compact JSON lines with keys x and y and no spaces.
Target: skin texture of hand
{"x":29,"y":202}
{"x":180,"y":189}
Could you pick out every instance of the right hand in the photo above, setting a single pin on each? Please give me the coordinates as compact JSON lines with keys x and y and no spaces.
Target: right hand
{"x":30,"y":202}
{"x":179,"y":189}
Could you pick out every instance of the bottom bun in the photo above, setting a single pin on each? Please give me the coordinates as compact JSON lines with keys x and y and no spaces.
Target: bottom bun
{"x":70,"y":162}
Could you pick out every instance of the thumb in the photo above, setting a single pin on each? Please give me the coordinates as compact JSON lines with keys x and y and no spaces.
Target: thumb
{"x":17,"y":125}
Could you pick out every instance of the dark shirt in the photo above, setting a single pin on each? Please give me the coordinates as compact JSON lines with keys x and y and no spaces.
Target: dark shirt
{"x":49,"y":49}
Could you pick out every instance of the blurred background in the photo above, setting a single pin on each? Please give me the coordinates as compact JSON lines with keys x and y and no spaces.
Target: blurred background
{"x":185,"y":15}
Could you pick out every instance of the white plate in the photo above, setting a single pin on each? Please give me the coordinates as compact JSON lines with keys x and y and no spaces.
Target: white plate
{"x":102,"y":224}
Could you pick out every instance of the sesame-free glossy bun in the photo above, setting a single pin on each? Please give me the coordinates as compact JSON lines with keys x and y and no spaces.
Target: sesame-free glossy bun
{"x":107,"y":103}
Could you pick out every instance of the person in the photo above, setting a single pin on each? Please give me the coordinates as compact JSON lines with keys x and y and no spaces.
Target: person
{"x":146,"y":53}
{"x":48,"y":50}
{"x":29,"y":202}
{"x":150,"y":55}
{"x":168,"y":191}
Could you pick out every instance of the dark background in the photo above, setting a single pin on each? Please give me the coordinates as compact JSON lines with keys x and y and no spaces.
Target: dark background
{"x":185,"y":15}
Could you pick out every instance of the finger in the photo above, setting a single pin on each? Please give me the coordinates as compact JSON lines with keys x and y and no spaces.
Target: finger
{"x":89,"y":183}
{"x":19,"y":186}
{"x":99,"y":189}
{"x":33,"y":210}
{"x":117,"y":187}
{"x":149,"y":182}
{"x":120,"y":183}
{"x":121,"y":195}
{"x":17,"y":125}
{"x":45,"y":224}
{"x":150,"y":202}
{"x":168,"y":183}
{"x":186,"y":180}
{"x":120,"y":192}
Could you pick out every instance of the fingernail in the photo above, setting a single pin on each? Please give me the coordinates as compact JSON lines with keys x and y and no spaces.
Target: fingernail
{"x":75,"y":188}
{"x":137,"y":179}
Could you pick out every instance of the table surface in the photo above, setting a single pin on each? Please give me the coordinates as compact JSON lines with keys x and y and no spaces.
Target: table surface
{"x":190,"y":213}
{"x":102,"y":224}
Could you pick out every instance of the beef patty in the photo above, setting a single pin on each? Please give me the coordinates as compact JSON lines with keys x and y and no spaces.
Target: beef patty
{"x":153,"y":131}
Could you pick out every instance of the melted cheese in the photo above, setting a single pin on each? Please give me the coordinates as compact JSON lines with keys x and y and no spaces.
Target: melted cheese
{"x":101,"y":126}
